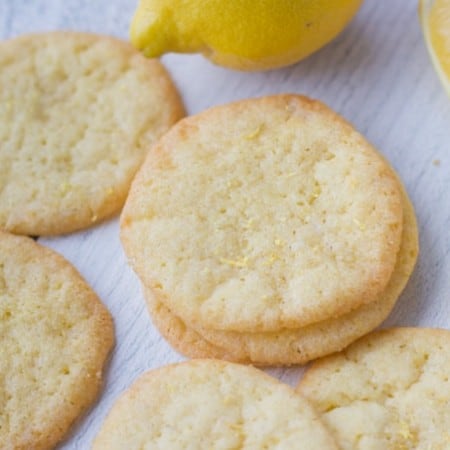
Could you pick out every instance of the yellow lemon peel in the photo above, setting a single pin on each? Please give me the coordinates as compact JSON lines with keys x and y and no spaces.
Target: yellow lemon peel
{"x":241,"y":34}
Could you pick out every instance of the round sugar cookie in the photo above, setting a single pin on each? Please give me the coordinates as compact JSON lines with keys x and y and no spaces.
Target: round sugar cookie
{"x":210,"y":404}
{"x":298,"y":346}
{"x":78,"y":113}
{"x":55,"y":337}
{"x":263,"y":214}
{"x":292,"y":346}
{"x":390,"y":390}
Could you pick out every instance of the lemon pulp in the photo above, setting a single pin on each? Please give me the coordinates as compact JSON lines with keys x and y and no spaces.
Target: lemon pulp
{"x":436,"y":23}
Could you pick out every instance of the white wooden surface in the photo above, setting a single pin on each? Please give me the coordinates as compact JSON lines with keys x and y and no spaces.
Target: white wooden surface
{"x":377,"y":74}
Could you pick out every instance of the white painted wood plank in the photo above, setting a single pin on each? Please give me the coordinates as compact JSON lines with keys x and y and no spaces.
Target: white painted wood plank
{"x":377,"y":74}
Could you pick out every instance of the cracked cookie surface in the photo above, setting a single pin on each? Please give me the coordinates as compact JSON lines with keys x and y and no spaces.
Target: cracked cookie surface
{"x":55,"y":336}
{"x":293,"y":346}
{"x":78,"y":113}
{"x":210,"y":404}
{"x":263,"y":214}
{"x":389,"y":390}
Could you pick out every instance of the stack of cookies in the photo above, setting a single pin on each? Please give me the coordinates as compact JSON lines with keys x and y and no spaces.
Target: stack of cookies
{"x":268,"y":231}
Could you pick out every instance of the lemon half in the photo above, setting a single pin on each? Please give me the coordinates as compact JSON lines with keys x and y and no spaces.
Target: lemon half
{"x":241,"y":34}
{"x":435,"y":19}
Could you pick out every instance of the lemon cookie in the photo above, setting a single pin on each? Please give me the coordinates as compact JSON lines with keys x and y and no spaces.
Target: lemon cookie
{"x":210,"y":404}
{"x":263,"y":214}
{"x":55,"y":336}
{"x":390,"y":390}
{"x":298,"y":346}
{"x":78,"y":113}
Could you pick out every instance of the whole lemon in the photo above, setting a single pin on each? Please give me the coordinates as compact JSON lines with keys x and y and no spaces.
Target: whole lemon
{"x":241,"y":34}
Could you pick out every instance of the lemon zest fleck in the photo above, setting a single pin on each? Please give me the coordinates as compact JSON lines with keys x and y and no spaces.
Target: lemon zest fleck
{"x":65,"y":187}
{"x":360,"y":225}
{"x":248,"y":224}
{"x":241,"y":262}
{"x":255,"y":133}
